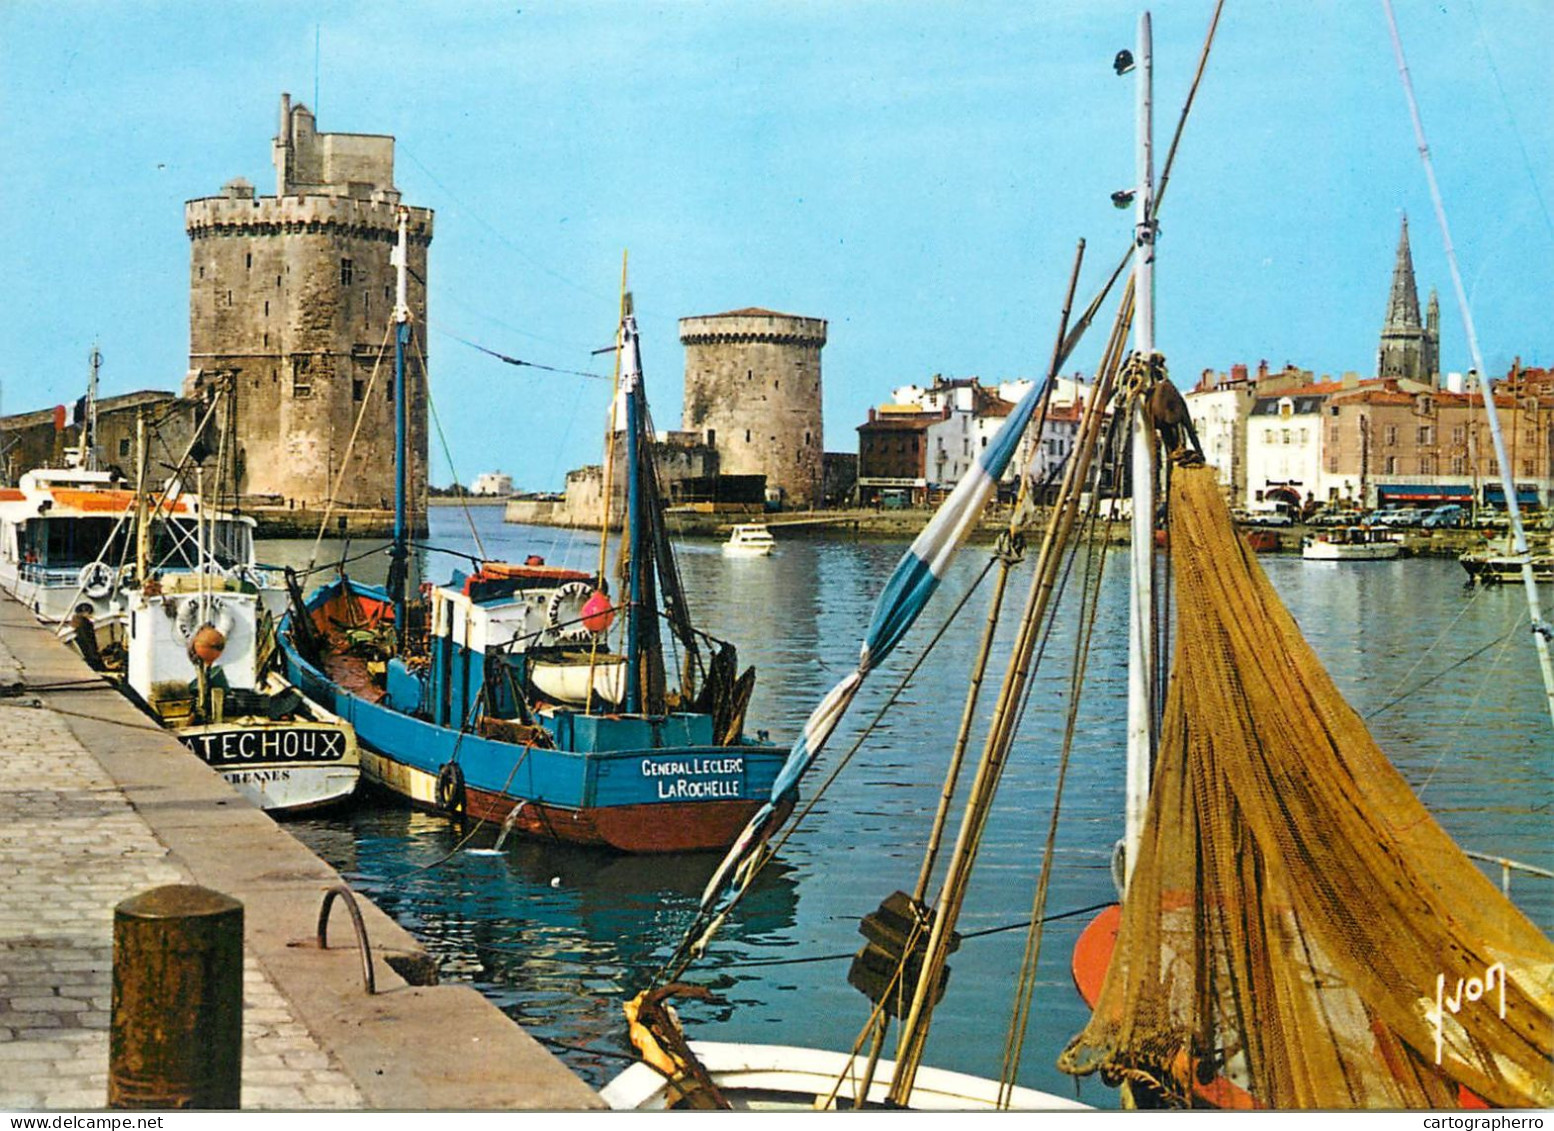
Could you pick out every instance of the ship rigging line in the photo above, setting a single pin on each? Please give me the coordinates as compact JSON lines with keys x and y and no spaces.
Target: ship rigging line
{"x":520,"y":362}
{"x":447,"y":454}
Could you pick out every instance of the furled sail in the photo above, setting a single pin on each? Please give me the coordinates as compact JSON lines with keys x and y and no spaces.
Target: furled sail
{"x":906,"y":594}
{"x":1298,"y":930}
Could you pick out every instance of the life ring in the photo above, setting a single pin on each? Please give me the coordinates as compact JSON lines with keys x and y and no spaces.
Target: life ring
{"x":96,"y":579}
{"x":190,"y":621}
{"x":450,"y":790}
{"x":564,"y":611}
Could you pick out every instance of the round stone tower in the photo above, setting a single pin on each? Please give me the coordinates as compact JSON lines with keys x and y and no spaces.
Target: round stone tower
{"x":292,"y":296}
{"x":752,"y":388}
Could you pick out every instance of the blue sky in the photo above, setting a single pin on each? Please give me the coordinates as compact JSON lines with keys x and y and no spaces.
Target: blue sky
{"x":916,"y":173}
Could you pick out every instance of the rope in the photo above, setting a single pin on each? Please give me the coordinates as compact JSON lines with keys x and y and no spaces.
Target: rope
{"x":447,"y":453}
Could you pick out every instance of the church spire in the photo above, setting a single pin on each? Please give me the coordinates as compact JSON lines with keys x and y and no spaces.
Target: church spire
{"x":1406,"y":347}
{"x":1403,"y":302}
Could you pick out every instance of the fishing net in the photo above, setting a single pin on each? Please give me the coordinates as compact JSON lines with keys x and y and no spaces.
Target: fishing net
{"x":1298,"y":931}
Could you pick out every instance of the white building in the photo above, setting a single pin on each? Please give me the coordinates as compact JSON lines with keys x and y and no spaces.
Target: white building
{"x":1284,"y":449}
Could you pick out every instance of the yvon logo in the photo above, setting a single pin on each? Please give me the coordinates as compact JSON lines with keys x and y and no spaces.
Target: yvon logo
{"x":1469,"y":990}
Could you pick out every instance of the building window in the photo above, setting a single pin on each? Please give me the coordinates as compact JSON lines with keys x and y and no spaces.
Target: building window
{"x":1426,"y":465}
{"x":124,"y":447}
{"x":1528,"y":468}
{"x":747,"y":435}
{"x":1459,"y":465}
{"x":346,"y":273}
{"x":267,"y":308}
{"x":1390,"y":435}
{"x":202,"y":271}
{"x":1459,"y":434}
{"x":301,"y":379}
{"x":249,"y":264}
{"x":1425,"y":434}
{"x":1390,"y":465}
{"x":749,"y":375}
{"x":358,"y":389}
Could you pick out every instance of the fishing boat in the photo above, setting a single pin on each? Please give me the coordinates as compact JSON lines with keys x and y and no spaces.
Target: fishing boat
{"x":749,"y":540}
{"x":1296,"y":931}
{"x":1350,"y":544}
{"x":199,"y":652}
{"x":513,"y":708}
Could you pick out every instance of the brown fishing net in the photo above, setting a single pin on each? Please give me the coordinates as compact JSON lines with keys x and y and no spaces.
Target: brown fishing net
{"x":1298,"y":931}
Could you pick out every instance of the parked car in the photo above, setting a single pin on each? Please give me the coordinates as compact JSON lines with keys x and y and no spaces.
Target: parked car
{"x":1271,"y":518}
{"x":1400,"y":516}
{"x":1335,"y":516}
{"x":1446,"y":517}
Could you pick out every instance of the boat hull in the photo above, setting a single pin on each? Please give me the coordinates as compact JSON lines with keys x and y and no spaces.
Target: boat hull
{"x":277,"y":766}
{"x":1330,"y":552}
{"x":1487,"y":570}
{"x":782,"y":1077}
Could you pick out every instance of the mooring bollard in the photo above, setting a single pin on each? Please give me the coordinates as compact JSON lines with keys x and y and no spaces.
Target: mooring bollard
{"x":176,"y":1036}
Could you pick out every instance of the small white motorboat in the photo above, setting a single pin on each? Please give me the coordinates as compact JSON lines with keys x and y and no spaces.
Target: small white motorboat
{"x":749,"y":539}
{"x":756,"y":1077}
{"x":1351,"y":544}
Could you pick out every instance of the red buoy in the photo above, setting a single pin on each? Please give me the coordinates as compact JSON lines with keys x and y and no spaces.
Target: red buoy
{"x":598,"y":613}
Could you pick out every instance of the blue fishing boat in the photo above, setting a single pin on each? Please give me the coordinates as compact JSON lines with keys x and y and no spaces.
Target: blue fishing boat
{"x":499,"y":696}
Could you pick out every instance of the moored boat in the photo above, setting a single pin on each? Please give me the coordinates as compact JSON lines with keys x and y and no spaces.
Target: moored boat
{"x":198,"y":661}
{"x":1501,"y":565}
{"x":1351,"y":544}
{"x":749,"y":540}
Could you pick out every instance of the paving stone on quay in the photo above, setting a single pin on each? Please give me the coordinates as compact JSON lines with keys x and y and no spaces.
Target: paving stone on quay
{"x":71,"y":848}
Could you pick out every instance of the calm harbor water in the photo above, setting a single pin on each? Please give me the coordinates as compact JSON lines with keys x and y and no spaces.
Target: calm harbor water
{"x":558,"y":938}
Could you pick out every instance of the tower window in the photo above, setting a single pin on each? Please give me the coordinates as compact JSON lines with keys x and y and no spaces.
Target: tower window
{"x":301,"y":379}
{"x":358,"y":389}
{"x":249,"y":261}
{"x":749,"y":374}
{"x":346,"y":272}
{"x":267,"y":308}
{"x":747,"y":435}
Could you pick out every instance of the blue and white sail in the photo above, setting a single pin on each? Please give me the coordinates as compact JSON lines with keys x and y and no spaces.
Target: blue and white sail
{"x":906,"y":594}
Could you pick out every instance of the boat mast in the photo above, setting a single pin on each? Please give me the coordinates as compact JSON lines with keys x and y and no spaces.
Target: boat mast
{"x":1141,"y":604}
{"x":631,"y":387}
{"x":1541,"y":630}
{"x":399,"y":552}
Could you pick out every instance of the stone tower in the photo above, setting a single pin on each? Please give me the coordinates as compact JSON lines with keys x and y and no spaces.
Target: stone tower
{"x":1409,"y":348}
{"x":752,"y":388}
{"x":292,"y":296}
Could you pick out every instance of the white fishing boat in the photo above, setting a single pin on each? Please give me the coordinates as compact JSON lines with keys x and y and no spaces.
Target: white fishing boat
{"x":1351,"y":544}
{"x":749,"y":540}
{"x":199,"y":660}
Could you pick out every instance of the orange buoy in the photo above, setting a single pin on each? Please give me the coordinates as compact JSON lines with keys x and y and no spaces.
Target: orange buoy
{"x":598,"y":613}
{"x":208,"y":644}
